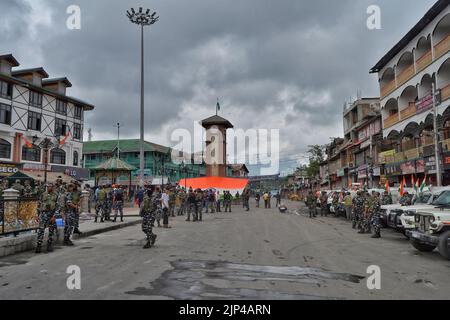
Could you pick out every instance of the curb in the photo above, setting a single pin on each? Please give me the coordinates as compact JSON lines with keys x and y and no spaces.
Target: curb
{"x":24,"y":243}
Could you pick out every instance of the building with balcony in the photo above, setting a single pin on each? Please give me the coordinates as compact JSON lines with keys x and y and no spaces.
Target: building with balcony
{"x":362,"y":129}
{"x":407,"y":74}
{"x":34,"y":108}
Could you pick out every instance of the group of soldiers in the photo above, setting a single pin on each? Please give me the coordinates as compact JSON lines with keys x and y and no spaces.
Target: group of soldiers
{"x":58,"y":201}
{"x":108,"y":198}
{"x":364,"y":209}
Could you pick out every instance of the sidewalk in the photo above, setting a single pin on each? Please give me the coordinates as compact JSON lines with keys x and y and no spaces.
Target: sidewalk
{"x":27,"y":241}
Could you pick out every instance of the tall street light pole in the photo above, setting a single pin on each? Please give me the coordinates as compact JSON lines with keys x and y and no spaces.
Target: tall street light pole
{"x":142,"y":19}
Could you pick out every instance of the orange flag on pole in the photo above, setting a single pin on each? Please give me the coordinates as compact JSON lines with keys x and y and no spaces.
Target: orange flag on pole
{"x":64,"y":140}
{"x":27,"y":143}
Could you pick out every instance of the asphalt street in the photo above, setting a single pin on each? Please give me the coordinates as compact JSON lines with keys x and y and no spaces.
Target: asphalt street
{"x":262,"y":254}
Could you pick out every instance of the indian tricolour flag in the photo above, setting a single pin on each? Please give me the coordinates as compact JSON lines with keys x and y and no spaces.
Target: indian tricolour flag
{"x":424,"y":184}
{"x":417,"y":185}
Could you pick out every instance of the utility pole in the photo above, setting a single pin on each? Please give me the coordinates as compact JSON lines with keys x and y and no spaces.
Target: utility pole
{"x":142,"y":19}
{"x":118,"y":140}
{"x":436,"y":139}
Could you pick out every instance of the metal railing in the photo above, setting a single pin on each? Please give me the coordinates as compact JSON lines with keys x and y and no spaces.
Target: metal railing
{"x":18,"y":215}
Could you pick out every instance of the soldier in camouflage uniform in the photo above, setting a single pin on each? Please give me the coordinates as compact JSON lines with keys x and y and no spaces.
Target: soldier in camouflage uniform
{"x":28,"y":191}
{"x":386,"y":199}
{"x":324,"y":204}
{"x":156,"y":199}
{"x":376,"y":218}
{"x":191,"y":199}
{"x":311,"y":203}
{"x":100,"y":200}
{"x":147,"y":212}
{"x":118,"y":203}
{"x":406,"y":199}
{"x":108,"y":202}
{"x":365,"y":226}
{"x":357,"y":209}
{"x":172,"y":198}
{"x":198,"y":205}
{"x":17,"y":186}
{"x":49,"y":203}
{"x":72,"y":201}
{"x":181,"y":202}
{"x":77,"y":190}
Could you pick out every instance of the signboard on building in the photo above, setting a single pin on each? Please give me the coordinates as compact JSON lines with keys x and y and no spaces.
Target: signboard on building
{"x":446,"y":159}
{"x":424,"y":104}
{"x":35,"y":167}
{"x":8,"y":169}
{"x":430,"y":165}
{"x":74,"y":172}
{"x":408,"y":167}
{"x":376,"y":171}
{"x":393,"y":170}
{"x":420,"y":166}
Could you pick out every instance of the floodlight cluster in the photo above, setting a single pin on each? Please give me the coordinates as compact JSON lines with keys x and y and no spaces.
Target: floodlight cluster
{"x":142,"y":18}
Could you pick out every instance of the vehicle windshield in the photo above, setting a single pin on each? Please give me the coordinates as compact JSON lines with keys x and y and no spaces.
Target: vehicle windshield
{"x":422,"y":198}
{"x":443,"y":199}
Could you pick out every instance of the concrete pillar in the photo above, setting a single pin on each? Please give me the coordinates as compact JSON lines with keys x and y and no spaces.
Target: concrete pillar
{"x":11,"y":223}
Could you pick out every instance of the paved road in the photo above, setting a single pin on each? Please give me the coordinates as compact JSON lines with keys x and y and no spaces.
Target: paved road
{"x":258,"y":255}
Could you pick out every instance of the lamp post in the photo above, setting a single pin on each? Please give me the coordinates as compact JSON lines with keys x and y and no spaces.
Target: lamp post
{"x":46,"y":145}
{"x":142,"y":19}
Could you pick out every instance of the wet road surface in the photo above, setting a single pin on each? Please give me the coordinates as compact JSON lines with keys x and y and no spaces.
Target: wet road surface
{"x":258,"y":255}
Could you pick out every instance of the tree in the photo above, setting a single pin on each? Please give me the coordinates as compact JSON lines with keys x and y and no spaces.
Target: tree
{"x":316,"y":157}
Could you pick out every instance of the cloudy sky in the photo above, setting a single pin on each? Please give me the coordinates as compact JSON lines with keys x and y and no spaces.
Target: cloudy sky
{"x":286,"y":64}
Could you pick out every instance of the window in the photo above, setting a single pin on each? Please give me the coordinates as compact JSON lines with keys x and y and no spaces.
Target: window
{"x":5,"y":114}
{"x":60,"y":127}
{"x":61,"y":107}
{"x":78,"y":112}
{"x":58,"y":156}
{"x":34,"y":121}
{"x":75,"y":158}
{"x":77,"y":131}
{"x":31,"y":154}
{"x":35,"y":99}
{"x":5,"y":149}
{"x":5,"y":90}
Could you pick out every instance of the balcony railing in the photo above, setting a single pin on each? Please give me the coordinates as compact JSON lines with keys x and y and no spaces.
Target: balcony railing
{"x":388,"y":88}
{"x":408,"y":112}
{"x":442,"y":47}
{"x":391,"y":120}
{"x":405,"y":75}
{"x":424,"y":61}
{"x":445,"y":92}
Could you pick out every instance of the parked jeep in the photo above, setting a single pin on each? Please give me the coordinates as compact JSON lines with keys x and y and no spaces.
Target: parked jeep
{"x":432,"y":230}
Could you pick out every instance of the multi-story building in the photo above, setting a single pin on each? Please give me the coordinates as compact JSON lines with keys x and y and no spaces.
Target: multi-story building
{"x":158,"y":160}
{"x":359,"y":154}
{"x":407,"y":74}
{"x":34,"y":108}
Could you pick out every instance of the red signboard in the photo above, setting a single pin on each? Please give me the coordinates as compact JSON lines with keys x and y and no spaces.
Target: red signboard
{"x":424,"y":104}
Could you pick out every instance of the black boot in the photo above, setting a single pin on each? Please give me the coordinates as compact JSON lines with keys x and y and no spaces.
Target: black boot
{"x":95,"y":221}
{"x":376,"y":236}
{"x":153,"y":239}
{"x":68,"y":243}
{"x":38,"y":249}
{"x":148,"y":245}
{"x":77,"y":231}
{"x":49,"y":247}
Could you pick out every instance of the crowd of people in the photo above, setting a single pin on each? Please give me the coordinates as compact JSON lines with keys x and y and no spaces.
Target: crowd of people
{"x":363,"y":209}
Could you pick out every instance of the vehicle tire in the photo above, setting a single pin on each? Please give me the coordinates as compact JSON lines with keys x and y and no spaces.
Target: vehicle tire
{"x":422,"y":247}
{"x":444,"y":245}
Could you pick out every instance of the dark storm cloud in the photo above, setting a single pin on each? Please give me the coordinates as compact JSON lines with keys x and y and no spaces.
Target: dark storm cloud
{"x":286,"y":64}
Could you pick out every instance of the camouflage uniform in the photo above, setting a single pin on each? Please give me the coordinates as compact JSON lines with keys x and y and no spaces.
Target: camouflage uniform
{"x":227,"y":201}
{"x":118,"y":204}
{"x":28,"y":191}
{"x":49,"y":202}
{"x":376,"y":218}
{"x":198,"y":207}
{"x":156,"y":200}
{"x":100,"y":205}
{"x":358,"y":211}
{"x":71,"y":198}
{"x":148,"y":220}
{"x":191,"y":199}
{"x":311,"y":203}
{"x":323,"y":205}
{"x":172,"y":197}
{"x":108,"y":203}
{"x":386,"y":200}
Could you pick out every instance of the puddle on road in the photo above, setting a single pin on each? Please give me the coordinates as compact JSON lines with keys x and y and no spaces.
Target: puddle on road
{"x":191,"y":280}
